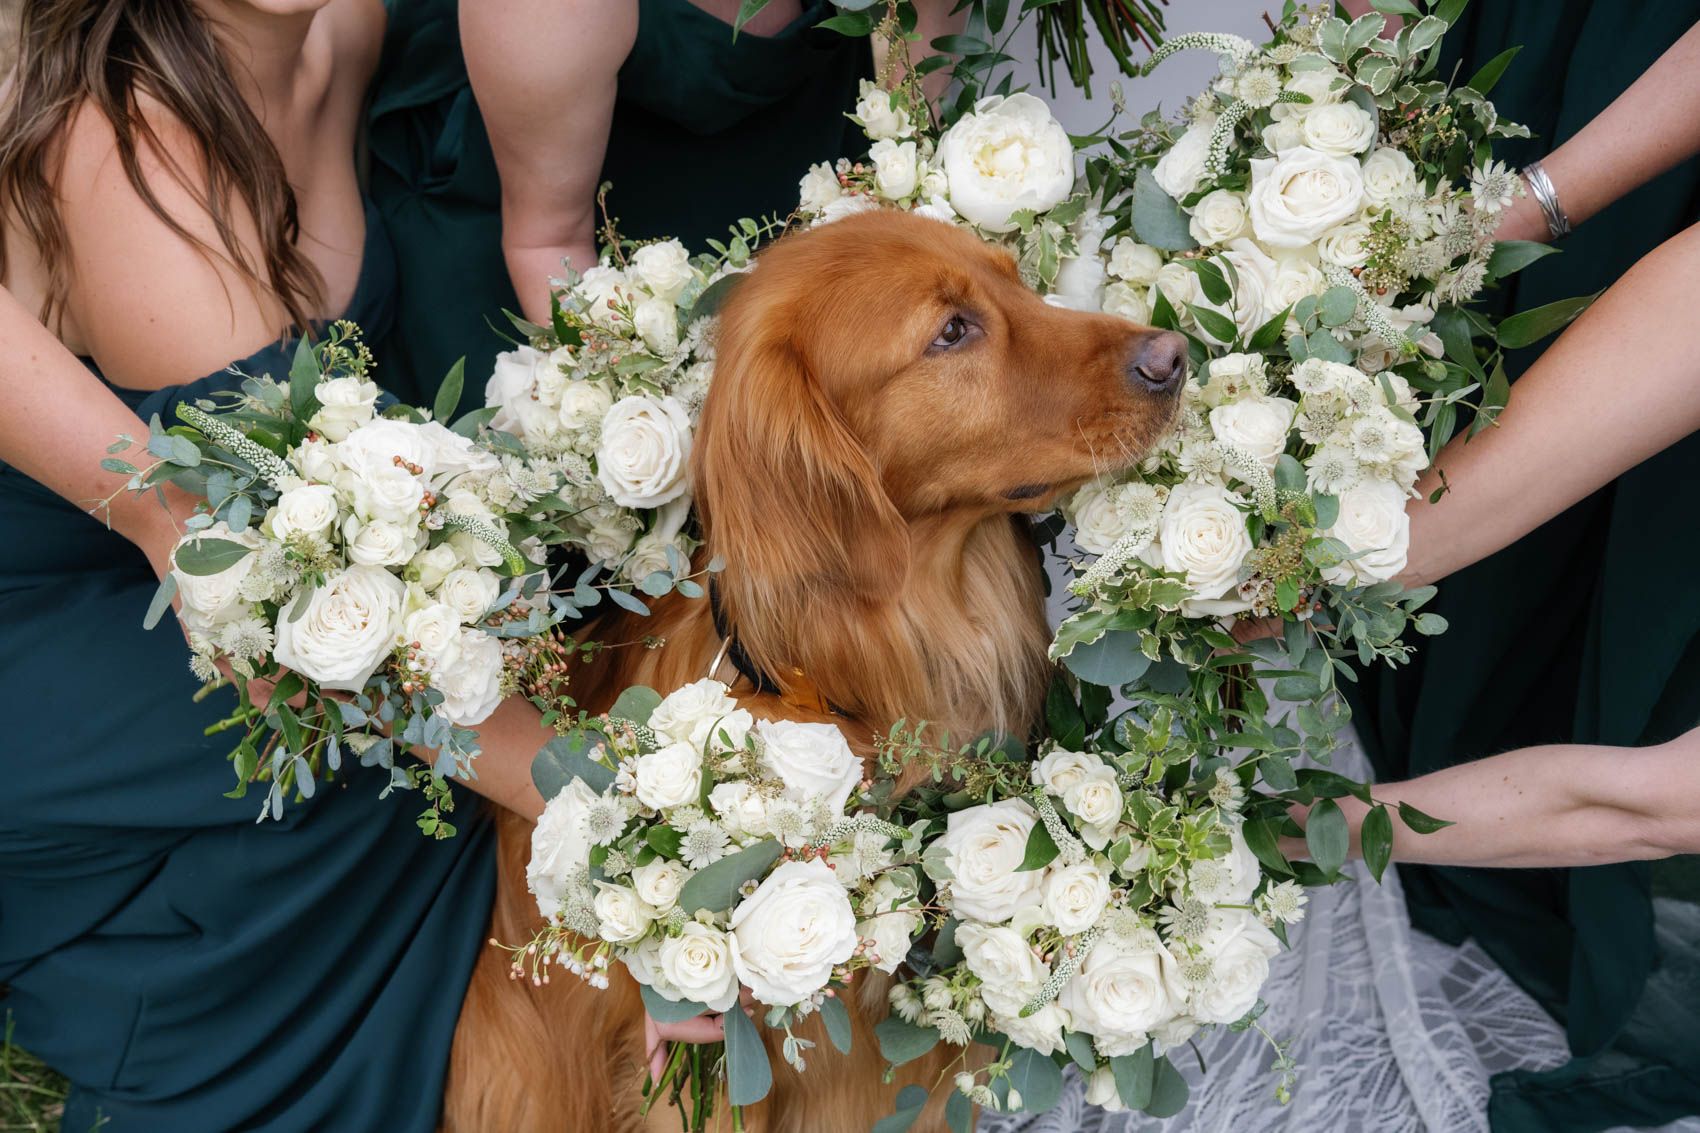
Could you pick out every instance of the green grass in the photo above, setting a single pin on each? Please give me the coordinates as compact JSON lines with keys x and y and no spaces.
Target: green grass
{"x":32,"y":1097}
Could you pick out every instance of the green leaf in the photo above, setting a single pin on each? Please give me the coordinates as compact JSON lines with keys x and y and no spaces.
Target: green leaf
{"x":1420,"y":822}
{"x":1135,"y":1076}
{"x":961,"y":45}
{"x":902,"y":1042}
{"x":748,"y":1075}
{"x":1080,"y":1049}
{"x":1327,"y":836}
{"x":1487,"y":78}
{"x":1512,"y":256}
{"x":161,"y":600}
{"x":636,"y":704}
{"x":1041,"y":849}
{"x":207,"y":556}
{"x":568,"y":757}
{"x":664,"y":1010}
{"x":853,"y":24}
{"x":1036,"y":1077}
{"x":1261,"y":840}
{"x":1062,"y":715}
{"x":1211,"y":281}
{"x":1376,"y":837}
{"x":1269,"y":333}
{"x":1429,"y":624}
{"x":1112,"y":661}
{"x":471,"y":422}
{"x":1396,"y":8}
{"x":716,"y":293}
{"x":837,"y":1019}
{"x":1215,"y":324}
{"x":1337,"y":306}
{"x":448,"y":394}
{"x":1168,"y":1091}
{"x":664,"y":840}
{"x":304,"y":382}
{"x":122,"y":467}
{"x":747,"y":11}
{"x":1528,"y":327}
{"x":959,"y":1113}
{"x":715,"y":887}
{"x":911,"y":1100}
{"x":1158,"y":219}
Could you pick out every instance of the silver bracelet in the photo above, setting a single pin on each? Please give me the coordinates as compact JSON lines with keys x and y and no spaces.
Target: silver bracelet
{"x":1558,"y":224}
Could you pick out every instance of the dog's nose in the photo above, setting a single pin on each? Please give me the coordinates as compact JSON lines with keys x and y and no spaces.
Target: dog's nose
{"x":1159,"y":362}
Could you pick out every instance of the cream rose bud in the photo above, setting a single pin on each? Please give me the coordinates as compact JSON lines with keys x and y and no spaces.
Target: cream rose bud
{"x":1097,"y":801}
{"x":669,"y":777}
{"x":1181,"y":170}
{"x":621,"y":917}
{"x":513,"y":382}
{"x":890,"y":930}
{"x":896,"y":168}
{"x":1373,"y":522}
{"x":1388,"y":176}
{"x":344,"y":405}
{"x":1239,"y":948}
{"x":818,"y":188}
{"x":1004,"y":963}
{"x":1345,"y":245}
{"x":698,"y":964}
{"x":664,"y":268}
{"x":1339,"y":128}
{"x":983,"y":848}
{"x":469,"y":593}
{"x":584,"y":405}
{"x":848,"y":205}
{"x":1322,"y":85}
{"x":306,"y":509}
{"x":609,"y":535}
{"x":472,"y":685}
{"x":740,"y":808}
{"x":433,"y":630}
{"x":347,"y":630}
{"x":1060,"y":770}
{"x":1128,"y":301}
{"x":431,"y":566}
{"x":687,"y":715}
{"x":1076,"y":896}
{"x":1298,"y":196}
{"x":1041,"y":1032}
{"x":657,"y":323}
{"x":643,"y":458}
{"x":812,"y":760}
{"x":1101,"y":1090}
{"x":1218,"y":217}
{"x":1119,"y":994}
{"x":448,"y":454}
{"x":1202,"y":535}
{"x":392,"y":495}
{"x":658,"y":883}
{"x":1260,"y":425}
{"x":1008,"y":154}
{"x":378,"y":543}
{"x":1135,"y":262}
{"x":1179,"y":285}
{"x":792,"y":932}
{"x":878,"y":114}
{"x":1283,"y":135}
{"x":208,"y":596}
{"x":560,"y":847}
{"x":1295,"y":277}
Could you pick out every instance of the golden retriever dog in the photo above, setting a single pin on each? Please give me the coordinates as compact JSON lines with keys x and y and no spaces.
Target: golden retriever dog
{"x":889,"y":401}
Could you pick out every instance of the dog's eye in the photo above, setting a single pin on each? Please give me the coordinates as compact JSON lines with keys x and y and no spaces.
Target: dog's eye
{"x":952,"y":333}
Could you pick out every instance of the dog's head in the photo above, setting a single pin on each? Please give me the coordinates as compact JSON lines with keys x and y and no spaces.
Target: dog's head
{"x":887,"y":368}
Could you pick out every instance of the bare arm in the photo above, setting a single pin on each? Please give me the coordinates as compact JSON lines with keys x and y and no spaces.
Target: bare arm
{"x":1618,"y":386}
{"x":545,"y":75}
{"x":1563,"y":805}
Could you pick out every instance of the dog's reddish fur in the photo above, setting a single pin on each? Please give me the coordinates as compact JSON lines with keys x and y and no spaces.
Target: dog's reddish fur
{"x":861,"y":485}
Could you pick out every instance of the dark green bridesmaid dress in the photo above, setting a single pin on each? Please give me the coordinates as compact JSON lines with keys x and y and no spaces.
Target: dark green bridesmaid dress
{"x":189,"y":970}
{"x":1588,"y":630}
{"x":706,"y":129}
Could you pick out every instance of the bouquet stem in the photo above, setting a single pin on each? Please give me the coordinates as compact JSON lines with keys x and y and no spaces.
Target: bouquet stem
{"x":690,"y":1083}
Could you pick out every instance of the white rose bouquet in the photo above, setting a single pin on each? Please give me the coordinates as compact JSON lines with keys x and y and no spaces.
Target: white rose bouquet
{"x":367,"y":566}
{"x":706,"y":851}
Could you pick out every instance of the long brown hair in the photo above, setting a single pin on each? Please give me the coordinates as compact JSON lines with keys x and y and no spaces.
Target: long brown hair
{"x":107,"y":53}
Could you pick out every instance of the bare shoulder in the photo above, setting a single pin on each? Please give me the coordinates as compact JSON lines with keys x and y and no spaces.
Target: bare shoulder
{"x":357,"y":40}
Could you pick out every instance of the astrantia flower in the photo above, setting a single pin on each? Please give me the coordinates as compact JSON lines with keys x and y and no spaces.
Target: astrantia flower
{"x":246,"y":638}
{"x":1494,"y":186}
{"x":704,"y":844}
{"x":604,"y":820}
{"x":1284,"y":902}
{"x":1259,"y":87}
{"x":1226,"y":792}
{"x":1187,"y":919}
{"x":1333,"y":469}
{"x":1461,"y":286}
{"x":1283,"y":53}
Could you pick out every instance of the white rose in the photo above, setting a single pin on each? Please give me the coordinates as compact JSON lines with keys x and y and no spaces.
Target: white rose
{"x":448,"y":454}
{"x":1372,"y":521}
{"x":1239,"y":948}
{"x":848,"y":205}
{"x":1005,"y":964}
{"x":305,"y":509}
{"x":1345,"y":245}
{"x":812,"y":760}
{"x":1218,"y":217}
{"x":1080,"y":284}
{"x":1253,"y":281}
{"x":607,"y":291}
{"x":1128,"y":301}
{"x":1119,"y":994}
{"x":472,"y":686}
{"x":1260,"y":425}
{"x":1076,"y":896}
{"x":560,"y":847}
{"x":1339,"y":128}
{"x":1388,"y":176}
{"x":688,"y":715}
{"x":1097,"y":801}
{"x":983,"y":848}
{"x":621,"y":917}
{"x":391,"y":494}
{"x":434,"y":631}
{"x":1041,"y":1031}
{"x":344,"y":405}
{"x":1323,"y":85}
{"x":584,"y":405}
{"x":1302,"y":194}
{"x":378,"y":543}
{"x":1232,"y":377}
{"x":1101,"y":1090}
{"x":1202,"y":536}
{"x":1295,"y":278}
{"x":609,"y":534}
{"x":643,"y":961}
{"x":698,"y":963}
{"x":1179,"y":285}
{"x":657,"y":322}
{"x":878,"y":114}
{"x":1009,"y":154}
{"x":896,"y":168}
{"x":208,"y":597}
{"x":377,"y":445}
{"x":1060,"y":770}
{"x":664,"y":268}
{"x":658,"y":883}
{"x":644,"y":457}
{"x":818,"y":188}
{"x":469,"y":593}
{"x":316,"y":460}
{"x":431,"y":566}
{"x":1179,"y":172}
{"x":669,"y":777}
{"x":513,"y":383}
{"x":347,"y":630}
{"x":740,"y":808}
{"x":1135,"y":262}
{"x":791,"y":932}
{"x":1283,"y":135}
{"x":890,"y":930}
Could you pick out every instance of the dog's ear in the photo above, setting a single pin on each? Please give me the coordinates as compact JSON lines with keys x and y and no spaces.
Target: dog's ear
{"x":785,"y":489}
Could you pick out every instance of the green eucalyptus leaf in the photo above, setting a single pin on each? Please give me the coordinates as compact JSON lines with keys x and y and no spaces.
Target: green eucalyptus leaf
{"x":636,"y":704}
{"x":1158,"y":218}
{"x":161,"y":600}
{"x":1337,"y":306}
{"x":1112,"y":660}
{"x":1135,"y":1076}
{"x":902,"y":1042}
{"x":664,"y":1010}
{"x":749,"y":1076}
{"x":208,"y":556}
{"x":1036,"y":1078}
{"x":837,"y":1019}
{"x":569,"y":757}
{"x":1169,"y":1090}
{"x":911,"y":1100}
{"x":715,"y":887}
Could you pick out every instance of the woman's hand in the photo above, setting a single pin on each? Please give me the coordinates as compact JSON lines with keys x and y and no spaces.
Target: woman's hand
{"x":702,"y":1029}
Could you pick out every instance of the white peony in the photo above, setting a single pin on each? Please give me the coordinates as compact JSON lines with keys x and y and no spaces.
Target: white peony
{"x":1218,"y":217}
{"x":897,"y":168}
{"x":791,"y":932}
{"x":669,"y":777}
{"x":469,"y":593}
{"x":621,"y":917}
{"x":1180,"y":171}
{"x":664,"y":268}
{"x":658,"y":883}
{"x":688,"y":715}
{"x":208,"y":598}
{"x":1343,"y":128}
{"x":1239,"y":949}
{"x":878,"y":114}
{"x":1298,"y":196}
{"x":1372,"y":521}
{"x":344,"y":405}
{"x":472,"y":686}
{"x":812,"y":760}
{"x":560,"y":847}
{"x":643,"y":460}
{"x":1259,"y":425}
{"x":1388,"y":176}
{"x":1202,"y":536}
{"x":1076,"y":896}
{"x":1119,"y":994}
{"x":698,"y":963}
{"x":983,"y":847}
{"x":347,"y":630}
{"x":1009,"y":154}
